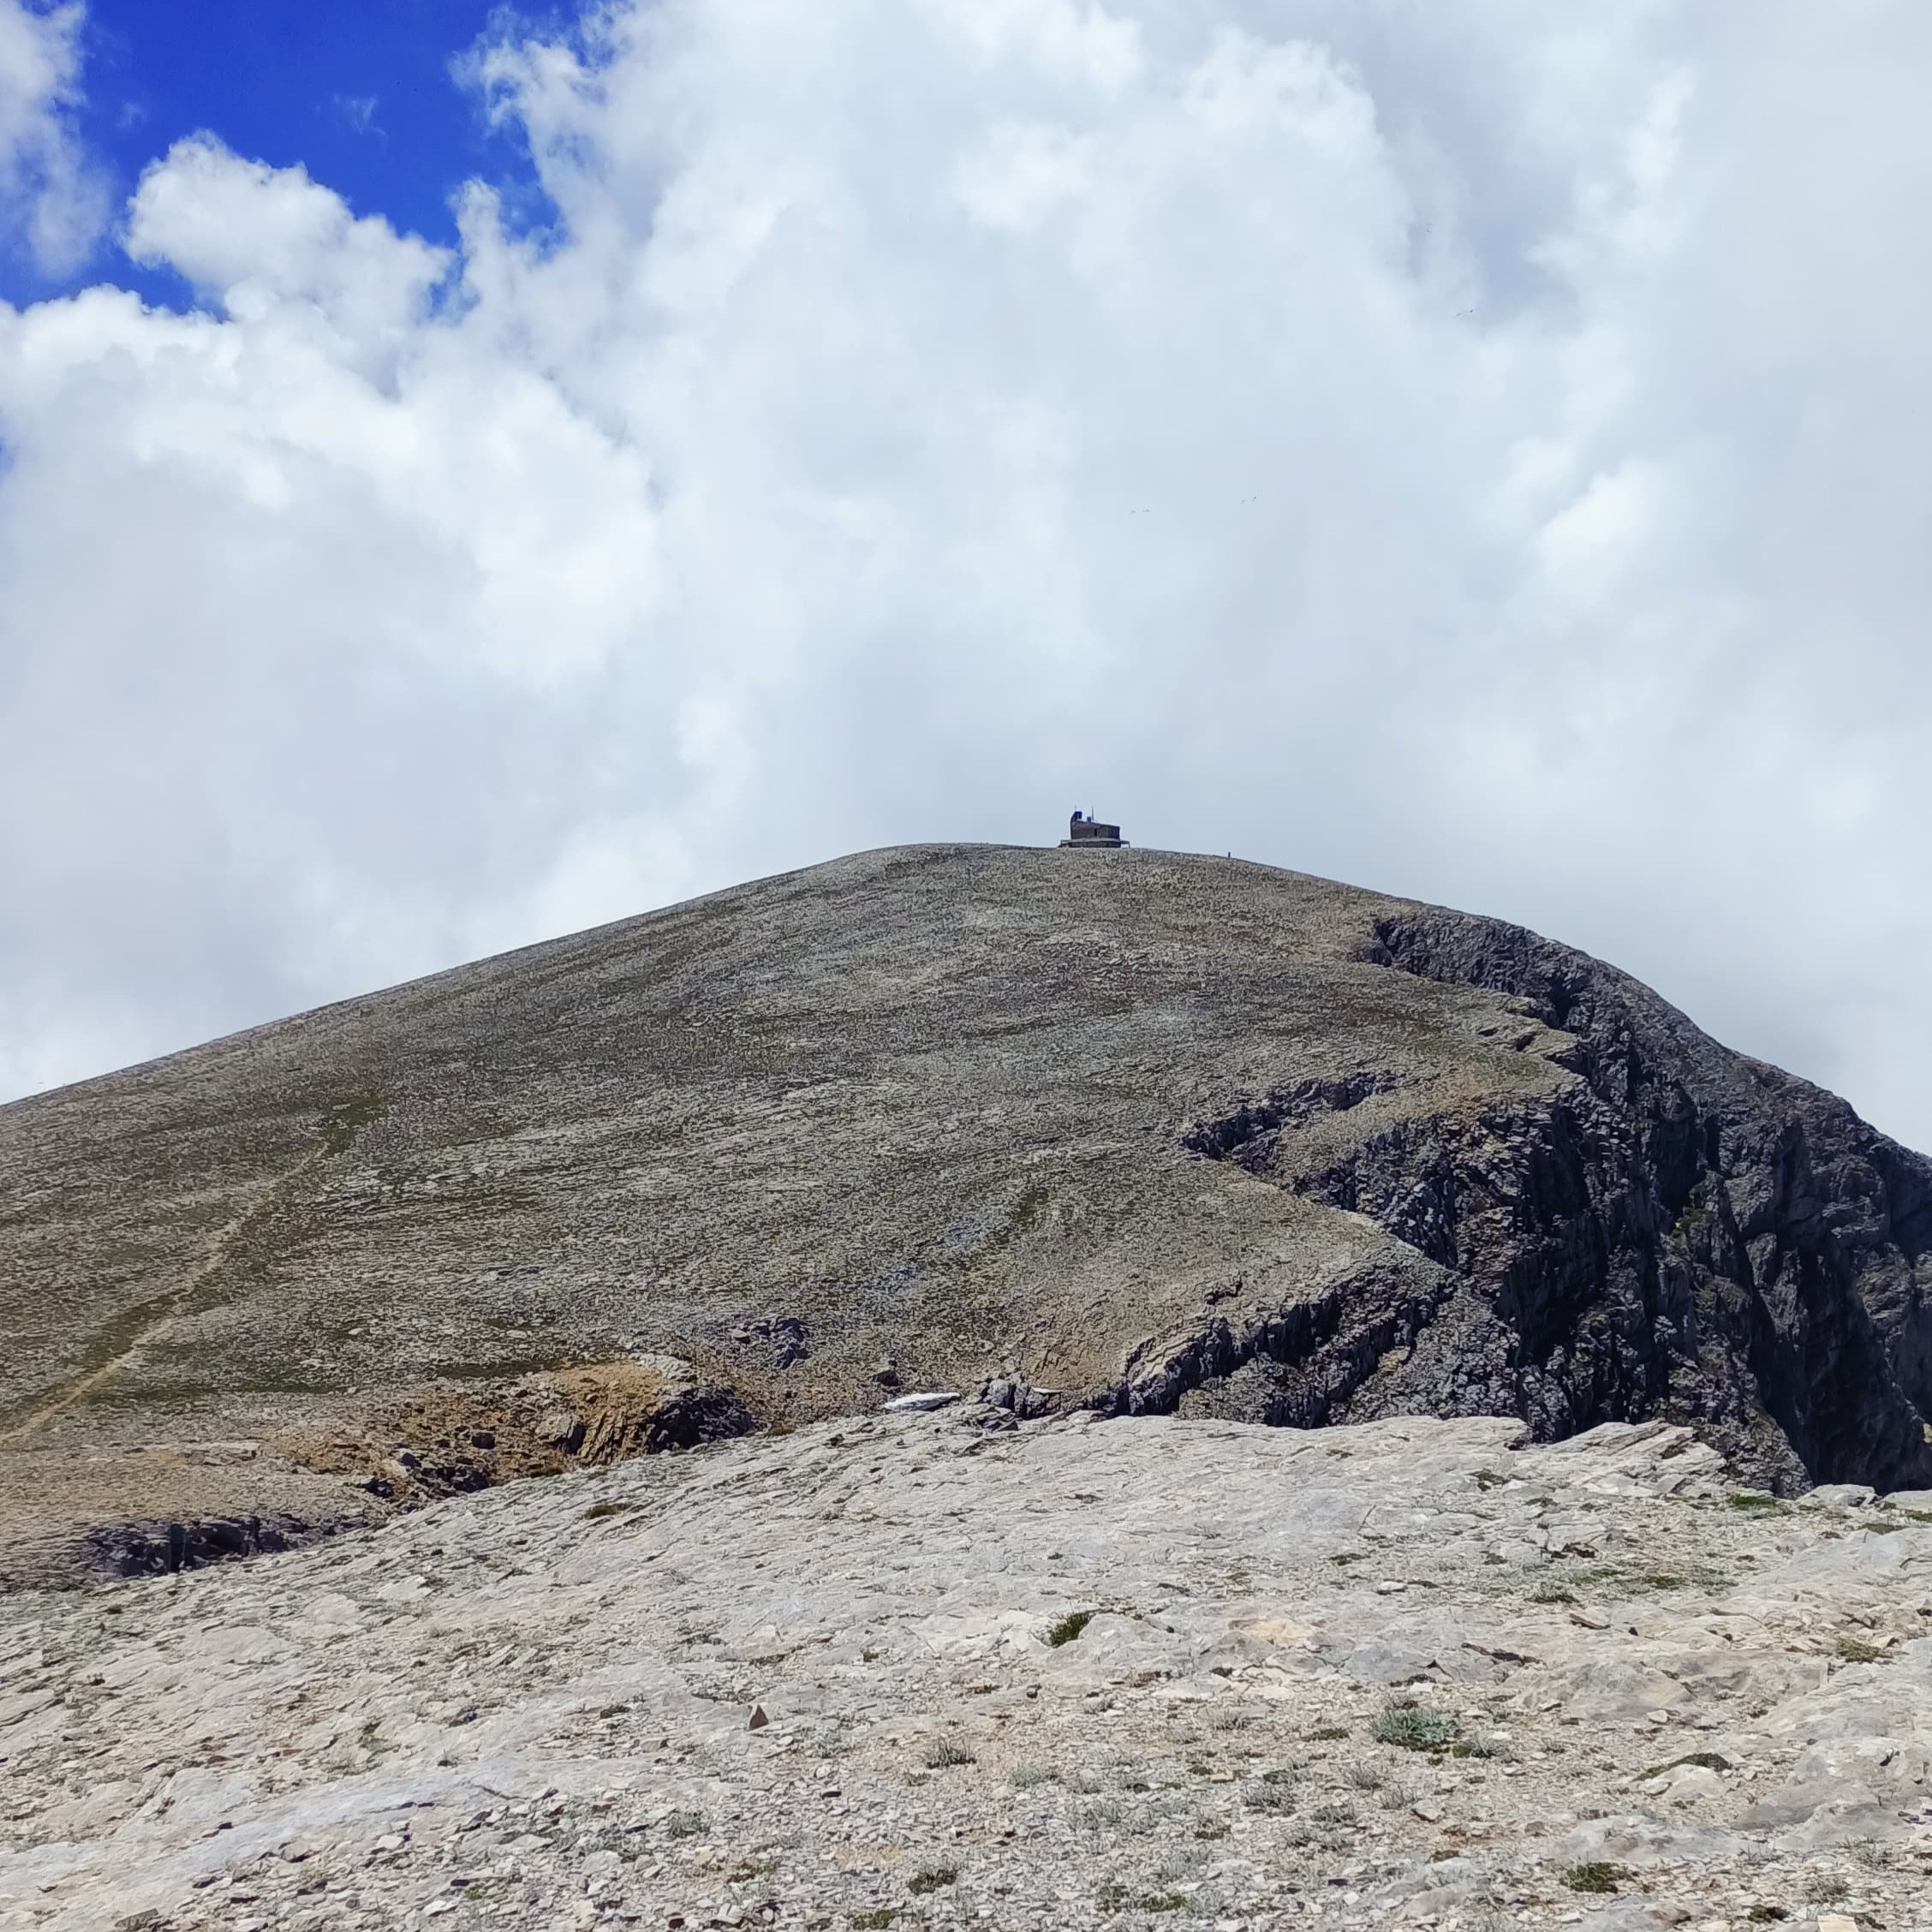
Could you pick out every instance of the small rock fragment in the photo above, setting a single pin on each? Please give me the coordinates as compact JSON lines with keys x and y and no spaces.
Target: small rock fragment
{"x":758,"y":1719}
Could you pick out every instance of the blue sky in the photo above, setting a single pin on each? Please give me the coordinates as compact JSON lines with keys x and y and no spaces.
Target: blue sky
{"x":360,"y":92}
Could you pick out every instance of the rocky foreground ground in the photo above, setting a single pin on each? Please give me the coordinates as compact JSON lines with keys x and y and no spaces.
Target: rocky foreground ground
{"x":937,"y":1668}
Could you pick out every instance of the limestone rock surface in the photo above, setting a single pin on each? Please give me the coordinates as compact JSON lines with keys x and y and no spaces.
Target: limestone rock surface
{"x":1065,"y":1672}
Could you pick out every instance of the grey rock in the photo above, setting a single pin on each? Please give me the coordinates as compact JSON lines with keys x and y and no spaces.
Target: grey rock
{"x":1075,"y":1663}
{"x":1839,"y":1495}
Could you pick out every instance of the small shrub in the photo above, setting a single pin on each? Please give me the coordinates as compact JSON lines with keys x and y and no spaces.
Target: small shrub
{"x":1162,"y":1902}
{"x":1412,"y":1728}
{"x":1828,"y":1889}
{"x":1096,"y":1819}
{"x":1363,"y":1776}
{"x":1594,"y":1877}
{"x":1855,"y":1650}
{"x":932,"y":1878}
{"x":1276,"y":1799}
{"x":1069,"y":1626}
{"x":1476,"y":1747}
{"x":1027,"y":1777}
{"x":944,"y":1753}
{"x":875,"y":1920}
{"x":1333,"y":1814}
{"x":684,"y":1824}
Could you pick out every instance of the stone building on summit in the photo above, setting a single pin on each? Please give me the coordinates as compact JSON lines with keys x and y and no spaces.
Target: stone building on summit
{"x":1083,"y":831}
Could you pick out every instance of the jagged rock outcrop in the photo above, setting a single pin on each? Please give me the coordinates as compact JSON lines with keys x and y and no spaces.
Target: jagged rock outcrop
{"x":1126,"y":1129}
{"x":1681,"y":1231}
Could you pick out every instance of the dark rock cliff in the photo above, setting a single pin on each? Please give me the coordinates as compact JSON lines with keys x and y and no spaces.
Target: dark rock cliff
{"x":1685,"y":1232}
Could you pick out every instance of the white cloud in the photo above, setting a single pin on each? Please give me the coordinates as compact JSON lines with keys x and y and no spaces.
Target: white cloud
{"x":263,"y":240}
{"x":50,"y":197}
{"x":1471,"y":456}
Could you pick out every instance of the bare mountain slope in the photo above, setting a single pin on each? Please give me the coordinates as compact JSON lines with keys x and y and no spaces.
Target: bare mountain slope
{"x":1131,"y":1129}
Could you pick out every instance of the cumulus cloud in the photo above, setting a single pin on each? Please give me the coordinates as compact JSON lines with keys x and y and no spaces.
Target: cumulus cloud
{"x":50,"y":198}
{"x":1467,"y":455}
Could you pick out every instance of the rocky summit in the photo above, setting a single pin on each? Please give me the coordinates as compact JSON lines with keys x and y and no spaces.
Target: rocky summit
{"x":1117,"y":1133}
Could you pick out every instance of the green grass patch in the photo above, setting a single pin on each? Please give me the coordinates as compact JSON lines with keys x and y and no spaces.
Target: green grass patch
{"x":1855,"y":1650}
{"x":1069,"y":1626}
{"x":1594,"y":1877}
{"x":1409,"y":1728}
